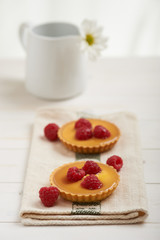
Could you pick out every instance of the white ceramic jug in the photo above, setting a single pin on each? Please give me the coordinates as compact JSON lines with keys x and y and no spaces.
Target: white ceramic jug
{"x":55,"y":67}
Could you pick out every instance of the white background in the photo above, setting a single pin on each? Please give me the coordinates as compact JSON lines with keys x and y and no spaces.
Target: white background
{"x":133,"y":26}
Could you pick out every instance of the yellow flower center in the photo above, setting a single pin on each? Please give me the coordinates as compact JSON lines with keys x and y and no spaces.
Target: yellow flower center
{"x":89,"y":39}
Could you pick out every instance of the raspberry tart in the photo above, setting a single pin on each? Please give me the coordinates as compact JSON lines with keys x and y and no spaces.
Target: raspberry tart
{"x":89,"y":188}
{"x":99,"y":137}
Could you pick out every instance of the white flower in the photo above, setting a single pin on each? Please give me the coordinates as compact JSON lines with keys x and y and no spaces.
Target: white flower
{"x":92,"y":40}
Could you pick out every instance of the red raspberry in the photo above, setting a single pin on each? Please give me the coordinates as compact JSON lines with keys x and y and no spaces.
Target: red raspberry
{"x":48,"y":195}
{"x":91,"y":167}
{"x":50,"y":131}
{"x":115,"y":161}
{"x":75,"y":174}
{"x":91,"y":182}
{"x":83,"y":133}
{"x":101,"y":132}
{"x":82,"y":122}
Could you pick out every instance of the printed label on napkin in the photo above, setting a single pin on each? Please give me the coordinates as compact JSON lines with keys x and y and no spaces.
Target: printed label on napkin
{"x":86,"y":208}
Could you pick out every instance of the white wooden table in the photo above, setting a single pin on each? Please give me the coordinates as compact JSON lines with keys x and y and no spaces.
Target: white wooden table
{"x":132,"y":84}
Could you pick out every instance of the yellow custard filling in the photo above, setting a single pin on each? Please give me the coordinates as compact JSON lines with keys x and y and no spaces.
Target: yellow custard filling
{"x":108,"y":176}
{"x":67,"y":132}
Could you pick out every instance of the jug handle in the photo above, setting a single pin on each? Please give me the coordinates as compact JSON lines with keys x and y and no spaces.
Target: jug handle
{"x":23,"y":33}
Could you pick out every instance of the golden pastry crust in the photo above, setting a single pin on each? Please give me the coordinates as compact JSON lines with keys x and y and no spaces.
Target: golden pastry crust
{"x":93,"y":145}
{"x":73,"y":191}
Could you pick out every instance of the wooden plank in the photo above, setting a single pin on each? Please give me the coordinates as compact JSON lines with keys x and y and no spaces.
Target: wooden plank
{"x":149,"y":131}
{"x":146,"y":107}
{"x":15,"y":129}
{"x":153,"y":196}
{"x":15,"y":96}
{"x":11,"y":198}
{"x":13,"y":164}
{"x":14,"y":133}
{"x":136,"y":231}
{"x":15,"y":114}
{"x":151,"y":165}
{"x":10,"y":128}
{"x":14,"y":143}
{"x":10,"y":201}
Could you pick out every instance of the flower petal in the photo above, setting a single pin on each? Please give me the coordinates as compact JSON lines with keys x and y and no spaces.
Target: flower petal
{"x":98,"y":31}
{"x":84,"y":45}
{"x":99,"y":42}
{"x":93,"y":53}
{"x":85,"y":26}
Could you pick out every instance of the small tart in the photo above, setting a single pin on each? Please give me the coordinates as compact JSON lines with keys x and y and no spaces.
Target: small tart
{"x":93,"y":145}
{"x":73,"y":191}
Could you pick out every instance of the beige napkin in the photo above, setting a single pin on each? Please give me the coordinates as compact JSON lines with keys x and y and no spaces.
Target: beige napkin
{"x":126,"y":205}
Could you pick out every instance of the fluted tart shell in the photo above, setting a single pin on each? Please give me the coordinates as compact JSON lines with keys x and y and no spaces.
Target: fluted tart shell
{"x":67,"y":132}
{"x":73,"y":191}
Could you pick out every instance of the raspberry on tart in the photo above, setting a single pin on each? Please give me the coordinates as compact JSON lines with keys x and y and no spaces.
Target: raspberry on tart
{"x":50,"y":131}
{"x":101,"y":132}
{"x":91,"y":167}
{"x":48,"y":195}
{"x":115,"y":161}
{"x":91,"y":190}
{"x":67,"y":135}
{"x":75,"y":174}
{"x":91,"y":182}
{"x":82,"y":122}
{"x":83,"y":133}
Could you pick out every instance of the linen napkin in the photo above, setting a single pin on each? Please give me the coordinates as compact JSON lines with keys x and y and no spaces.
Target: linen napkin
{"x":127,"y":204}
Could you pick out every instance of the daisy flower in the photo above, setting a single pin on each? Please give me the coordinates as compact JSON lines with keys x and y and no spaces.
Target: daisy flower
{"x":92,"y":40}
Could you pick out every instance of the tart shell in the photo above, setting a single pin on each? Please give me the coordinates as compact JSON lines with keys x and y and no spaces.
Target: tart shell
{"x":99,"y":195}
{"x":93,"y":148}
